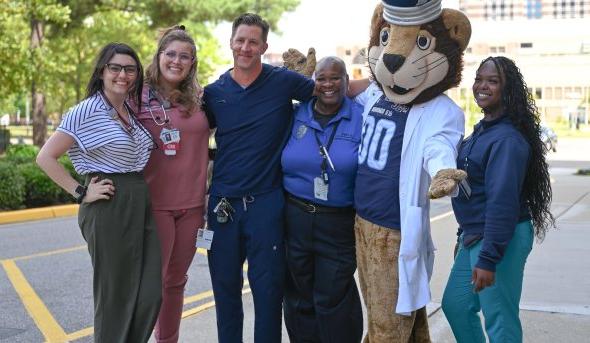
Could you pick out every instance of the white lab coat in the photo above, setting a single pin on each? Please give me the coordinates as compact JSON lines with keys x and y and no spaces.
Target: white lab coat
{"x":433,"y":132}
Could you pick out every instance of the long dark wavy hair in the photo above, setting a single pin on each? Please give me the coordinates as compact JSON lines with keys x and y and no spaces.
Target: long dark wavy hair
{"x":518,"y":104}
{"x":187,"y":93}
{"x":95,"y":84}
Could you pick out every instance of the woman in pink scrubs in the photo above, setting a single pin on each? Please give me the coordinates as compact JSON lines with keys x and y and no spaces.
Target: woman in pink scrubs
{"x":176,"y":172}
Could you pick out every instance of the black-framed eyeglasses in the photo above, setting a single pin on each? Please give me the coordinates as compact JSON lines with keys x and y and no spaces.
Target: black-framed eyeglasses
{"x":116,"y":68}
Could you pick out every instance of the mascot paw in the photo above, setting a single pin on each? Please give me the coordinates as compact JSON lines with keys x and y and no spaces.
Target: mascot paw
{"x":294,"y":60}
{"x":444,"y":182}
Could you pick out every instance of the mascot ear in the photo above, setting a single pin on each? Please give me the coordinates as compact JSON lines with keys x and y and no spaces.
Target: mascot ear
{"x":458,"y":25}
{"x":376,"y":19}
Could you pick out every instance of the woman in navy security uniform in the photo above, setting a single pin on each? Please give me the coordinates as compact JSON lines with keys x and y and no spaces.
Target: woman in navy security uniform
{"x":502,"y":206}
{"x":322,"y":302}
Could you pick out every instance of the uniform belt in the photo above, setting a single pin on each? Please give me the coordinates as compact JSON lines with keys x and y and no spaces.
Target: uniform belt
{"x":310,"y":207}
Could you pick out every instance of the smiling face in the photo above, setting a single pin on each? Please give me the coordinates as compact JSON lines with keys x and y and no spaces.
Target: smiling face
{"x":406,"y":70}
{"x":487,"y":89}
{"x":331,"y":82}
{"x":413,"y":64}
{"x":117,"y":85}
{"x":176,"y":61}
{"x":248,"y":47}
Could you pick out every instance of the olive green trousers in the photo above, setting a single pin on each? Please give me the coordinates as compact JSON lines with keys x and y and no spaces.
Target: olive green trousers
{"x":125,"y":253}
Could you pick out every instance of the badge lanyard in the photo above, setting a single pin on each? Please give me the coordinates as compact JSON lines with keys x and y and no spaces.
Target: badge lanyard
{"x":128,"y":126}
{"x":169,"y":135}
{"x":324,"y":152}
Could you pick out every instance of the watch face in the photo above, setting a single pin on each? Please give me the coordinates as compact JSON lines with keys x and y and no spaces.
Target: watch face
{"x":80,"y":190}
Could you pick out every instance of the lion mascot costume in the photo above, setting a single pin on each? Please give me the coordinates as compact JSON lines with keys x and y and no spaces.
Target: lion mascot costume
{"x":408,"y":152}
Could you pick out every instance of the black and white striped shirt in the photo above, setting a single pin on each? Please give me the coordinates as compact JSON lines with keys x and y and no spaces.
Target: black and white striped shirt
{"x":102,"y":144}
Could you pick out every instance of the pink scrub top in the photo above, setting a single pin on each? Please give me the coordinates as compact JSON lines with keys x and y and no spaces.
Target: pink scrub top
{"x":179,"y":181}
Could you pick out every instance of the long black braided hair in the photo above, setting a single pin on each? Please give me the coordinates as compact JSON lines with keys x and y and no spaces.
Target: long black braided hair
{"x":518,"y":104}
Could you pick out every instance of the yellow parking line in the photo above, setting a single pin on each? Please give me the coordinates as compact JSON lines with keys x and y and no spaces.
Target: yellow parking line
{"x":207,"y":306}
{"x":48,"y":326}
{"x":198,"y":297}
{"x":49,"y":253}
{"x":190,"y":312}
{"x":79,"y":334}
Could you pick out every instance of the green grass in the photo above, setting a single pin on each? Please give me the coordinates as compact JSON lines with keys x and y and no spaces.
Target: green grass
{"x":25,"y":131}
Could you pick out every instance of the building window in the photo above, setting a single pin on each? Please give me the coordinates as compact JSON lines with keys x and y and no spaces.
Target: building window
{"x":527,"y":45}
{"x":538,"y":9}
{"x":558,"y":93}
{"x":501,"y":49}
{"x":538,"y":93}
{"x":347,"y":52}
{"x":548,"y":93}
{"x":468,"y":50}
{"x":493,"y":50}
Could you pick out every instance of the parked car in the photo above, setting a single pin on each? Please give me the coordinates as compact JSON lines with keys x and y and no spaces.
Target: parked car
{"x":549,"y":137}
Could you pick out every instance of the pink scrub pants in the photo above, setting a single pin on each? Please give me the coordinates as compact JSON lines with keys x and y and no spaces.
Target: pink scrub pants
{"x":177,"y":230}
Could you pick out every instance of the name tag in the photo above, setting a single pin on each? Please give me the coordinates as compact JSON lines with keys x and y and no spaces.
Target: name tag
{"x":171,"y":140}
{"x":320,"y":189}
{"x":204,"y":238}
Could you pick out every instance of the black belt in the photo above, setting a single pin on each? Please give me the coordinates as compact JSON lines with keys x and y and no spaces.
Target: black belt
{"x":310,"y":207}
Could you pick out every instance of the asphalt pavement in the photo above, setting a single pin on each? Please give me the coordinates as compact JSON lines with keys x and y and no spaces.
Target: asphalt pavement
{"x":46,"y":286}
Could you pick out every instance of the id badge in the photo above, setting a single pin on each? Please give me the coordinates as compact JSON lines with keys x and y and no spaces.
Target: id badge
{"x":171,"y":141}
{"x":320,"y":189}
{"x":465,"y":188}
{"x":204,"y":238}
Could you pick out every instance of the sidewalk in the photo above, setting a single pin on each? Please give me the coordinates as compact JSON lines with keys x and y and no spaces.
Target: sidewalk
{"x":555,"y":305}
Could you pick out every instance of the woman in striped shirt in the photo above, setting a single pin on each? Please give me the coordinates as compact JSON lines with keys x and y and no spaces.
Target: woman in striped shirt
{"x":108,"y":145}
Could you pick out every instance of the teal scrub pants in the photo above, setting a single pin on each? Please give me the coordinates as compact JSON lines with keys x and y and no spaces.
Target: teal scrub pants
{"x":499,"y":302}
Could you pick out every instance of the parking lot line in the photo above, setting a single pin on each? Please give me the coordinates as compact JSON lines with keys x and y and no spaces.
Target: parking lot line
{"x":207,"y":306}
{"x":81,"y":333}
{"x":49,"y":253}
{"x":48,"y":326}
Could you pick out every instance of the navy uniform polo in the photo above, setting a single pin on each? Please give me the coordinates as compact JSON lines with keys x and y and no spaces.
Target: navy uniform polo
{"x":302,"y":162}
{"x":252,"y":125}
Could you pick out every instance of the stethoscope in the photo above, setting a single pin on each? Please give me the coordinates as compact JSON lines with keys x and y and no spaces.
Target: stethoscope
{"x":164,"y":104}
{"x":132,"y":120}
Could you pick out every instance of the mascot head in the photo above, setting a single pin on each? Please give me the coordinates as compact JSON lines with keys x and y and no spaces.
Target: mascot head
{"x":416,"y":49}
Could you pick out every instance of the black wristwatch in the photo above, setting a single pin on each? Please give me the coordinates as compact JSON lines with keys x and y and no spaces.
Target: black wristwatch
{"x":80,"y":193}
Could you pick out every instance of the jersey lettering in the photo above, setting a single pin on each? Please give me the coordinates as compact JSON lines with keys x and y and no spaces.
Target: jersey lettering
{"x":375,"y":135}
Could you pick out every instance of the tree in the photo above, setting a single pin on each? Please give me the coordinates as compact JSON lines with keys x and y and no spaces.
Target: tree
{"x":49,"y":46}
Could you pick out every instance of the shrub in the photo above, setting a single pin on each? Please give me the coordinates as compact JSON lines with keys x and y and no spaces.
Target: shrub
{"x":21,"y":153}
{"x":22,"y":182}
{"x":12,"y":187}
{"x":40,"y":190}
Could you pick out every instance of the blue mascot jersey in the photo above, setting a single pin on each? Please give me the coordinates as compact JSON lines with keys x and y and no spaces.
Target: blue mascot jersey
{"x":376,"y":194}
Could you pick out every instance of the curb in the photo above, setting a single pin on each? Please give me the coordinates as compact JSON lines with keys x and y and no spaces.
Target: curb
{"x":38,"y":213}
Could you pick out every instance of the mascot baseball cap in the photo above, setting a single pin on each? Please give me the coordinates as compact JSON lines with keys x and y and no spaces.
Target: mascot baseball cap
{"x":411,"y":12}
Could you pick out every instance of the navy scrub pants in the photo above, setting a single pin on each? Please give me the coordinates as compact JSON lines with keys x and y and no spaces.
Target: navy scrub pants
{"x":255,"y":234}
{"x":322,"y":302}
